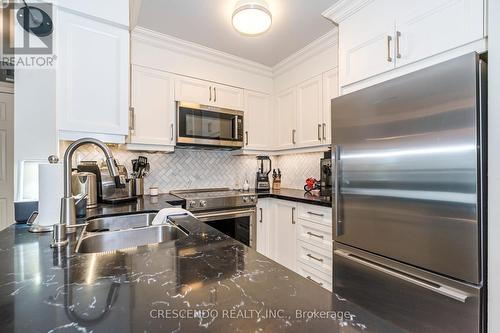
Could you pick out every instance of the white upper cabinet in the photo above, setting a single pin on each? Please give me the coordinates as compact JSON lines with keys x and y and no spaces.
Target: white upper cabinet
{"x":310,"y":112}
{"x":428,"y":27}
{"x":92,"y":78}
{"x":366,"y":43}
{"x":152,"y":109}
{"x":380,"y":35}
{"x":258,"y":121}
{"x":330,"y":91}
{"x":286,"y":106}
{"x":208,"y":93}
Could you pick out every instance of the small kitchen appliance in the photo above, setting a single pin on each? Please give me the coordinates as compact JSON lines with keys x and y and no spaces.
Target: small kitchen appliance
{"x":326,"y":174}
{"x":262,"y":177}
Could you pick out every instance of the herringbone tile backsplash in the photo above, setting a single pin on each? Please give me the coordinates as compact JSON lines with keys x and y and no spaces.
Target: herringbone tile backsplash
{"x":188,"y":168}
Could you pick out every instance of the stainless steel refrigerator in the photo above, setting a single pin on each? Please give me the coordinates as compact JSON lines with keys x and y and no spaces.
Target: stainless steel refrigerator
{"x":409,"y":203}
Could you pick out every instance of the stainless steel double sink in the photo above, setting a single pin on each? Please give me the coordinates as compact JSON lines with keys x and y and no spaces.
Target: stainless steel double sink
{"x":125,"y":231}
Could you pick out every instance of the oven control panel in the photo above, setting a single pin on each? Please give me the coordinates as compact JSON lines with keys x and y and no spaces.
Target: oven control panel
{"x":221,"y":202}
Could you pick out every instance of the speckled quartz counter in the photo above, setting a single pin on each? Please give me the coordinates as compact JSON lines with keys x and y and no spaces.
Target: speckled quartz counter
{"x":298,"y":196}
{"x":206,"y":282}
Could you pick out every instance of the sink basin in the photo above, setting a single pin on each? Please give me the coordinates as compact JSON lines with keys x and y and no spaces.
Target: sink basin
{"x":120,"y":239}
{"x":120,"y":222}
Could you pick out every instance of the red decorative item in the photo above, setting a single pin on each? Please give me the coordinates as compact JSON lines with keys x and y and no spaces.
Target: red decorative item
{"x":312,"y":184}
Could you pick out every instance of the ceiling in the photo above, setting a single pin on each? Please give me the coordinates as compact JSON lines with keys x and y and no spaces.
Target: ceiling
{"x":296,"y":23}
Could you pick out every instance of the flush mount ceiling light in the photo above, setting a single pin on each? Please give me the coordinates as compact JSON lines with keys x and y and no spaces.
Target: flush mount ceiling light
{"x":251,"y":17}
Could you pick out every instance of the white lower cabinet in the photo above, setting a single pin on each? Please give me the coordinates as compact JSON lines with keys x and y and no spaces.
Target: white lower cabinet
{"x":263,"y":226}
{"x":283,"y":233}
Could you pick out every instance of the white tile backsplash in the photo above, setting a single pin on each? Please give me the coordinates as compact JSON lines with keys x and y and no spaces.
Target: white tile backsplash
{"x":189,"y":168}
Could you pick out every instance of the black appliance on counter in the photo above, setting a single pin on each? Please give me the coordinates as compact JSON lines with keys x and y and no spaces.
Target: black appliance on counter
{"x":326,"y":174}
{"x":262,"y":177}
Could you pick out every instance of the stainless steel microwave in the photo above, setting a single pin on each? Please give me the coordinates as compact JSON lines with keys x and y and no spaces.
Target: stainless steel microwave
{"x":209,"y":126}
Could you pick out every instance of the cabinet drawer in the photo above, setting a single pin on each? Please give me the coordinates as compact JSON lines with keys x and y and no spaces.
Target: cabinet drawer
{"x":315,"y":233}
{"x":322,"y":279}
{"x":314,"y":256}
{"x":316,"y":214}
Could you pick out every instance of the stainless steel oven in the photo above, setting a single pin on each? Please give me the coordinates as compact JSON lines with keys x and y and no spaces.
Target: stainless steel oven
{"x":209,"y":126}
{"x":239,"y":224}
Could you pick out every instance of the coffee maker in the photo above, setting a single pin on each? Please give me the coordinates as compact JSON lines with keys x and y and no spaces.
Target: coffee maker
{"x":326,"y":174}
{"x":262,"y":177}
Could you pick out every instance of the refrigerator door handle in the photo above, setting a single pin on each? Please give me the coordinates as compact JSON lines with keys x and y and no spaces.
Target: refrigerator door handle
{"x":424,"y":283}
{"x":337,"y":218}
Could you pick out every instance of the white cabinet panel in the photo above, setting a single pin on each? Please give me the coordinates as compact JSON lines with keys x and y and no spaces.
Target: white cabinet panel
{"x":227,"y":97}
{"x":310,"y":112}
{"x":429,"y":27}
{"x":6,"y":159}
{"x":258,"y":120}
{"x":283,"y":238}
{"x":317,"y":257}
{"x":314,"y":233}
{"x":193,"y":90}
{"x":330,"y":91}
{"x":286,"y":106}
{"x":366,"y":43}
{"x":322,"y":279}
{"x":315,"y":213}
{"x":153,"y":107}
{"x":92,"y":74}
{"x":264,"y":218}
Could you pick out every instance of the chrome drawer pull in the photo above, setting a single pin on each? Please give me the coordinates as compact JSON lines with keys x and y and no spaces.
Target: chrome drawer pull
{"x":314,"y":235}
{"x":316,"y":214}
{"x":313,"y":257}
{"x":310,"y":278}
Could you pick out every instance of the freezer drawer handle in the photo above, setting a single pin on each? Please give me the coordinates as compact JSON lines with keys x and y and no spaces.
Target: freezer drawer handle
{"x":315,"y":258}
{"x":432,"y":286}
{"x":314,"y":235}
{"x":310,"y":278}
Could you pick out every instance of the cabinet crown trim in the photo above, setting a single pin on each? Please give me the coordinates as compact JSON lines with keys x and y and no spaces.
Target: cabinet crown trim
{"x":342,"y":9}
{"x":182,"y":46}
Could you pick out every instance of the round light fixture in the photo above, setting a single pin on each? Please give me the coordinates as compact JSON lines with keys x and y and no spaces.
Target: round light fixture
{"x":251,"y":17}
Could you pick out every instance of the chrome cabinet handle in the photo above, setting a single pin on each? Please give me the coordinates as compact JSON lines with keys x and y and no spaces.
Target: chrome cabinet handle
{"x":246,"y":138}
{"x":316,"y":214}
{"x":314,"y":235}
{"x":293,"y":215}
{"x":324,"y":131}
{"x":310,"y":278}
{"x":319,"y":132}
{"x":293,"y":136}
{"x":210,"y":91}
{"x":398,"y":37}
{"x":389,"y":39}
{"x":215,"y":94}
{"x":131,"y":126}
{"x":171,"y":132}
{"x":315,"y":258}
{"x":416,"y":280}
{"x":261,"y":215}
{"x":337,"y":218}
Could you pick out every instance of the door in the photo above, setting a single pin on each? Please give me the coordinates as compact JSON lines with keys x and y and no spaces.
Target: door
{"x":411,"y":299}
{"x":153,"y":105}
{"x":193,"y":90}
{"x":263,"y":220}
{"x":283,"y":239}
{"x":286,"y":107}
{"x":92,"y":76}
{"x":365,"y":52}
{"x":258,"y":120}
{"x":410,"y":161}
{"x":310,"y":112}
{"x":330,"y":91}
{"x":428,"y":27}
{"x":6,"y":160}
{"x":227,"y":97}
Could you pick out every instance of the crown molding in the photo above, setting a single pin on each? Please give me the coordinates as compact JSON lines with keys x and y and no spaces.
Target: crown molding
{"x":192,"y":49}
{"x":319,"y":45}
{"x":342,"y":9}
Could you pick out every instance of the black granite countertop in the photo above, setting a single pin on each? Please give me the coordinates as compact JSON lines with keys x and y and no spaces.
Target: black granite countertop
{"x":206,"y":282}
{"x":299,"y":196}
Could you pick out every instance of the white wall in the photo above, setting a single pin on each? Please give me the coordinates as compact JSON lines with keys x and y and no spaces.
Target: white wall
{"x":494,"y":167}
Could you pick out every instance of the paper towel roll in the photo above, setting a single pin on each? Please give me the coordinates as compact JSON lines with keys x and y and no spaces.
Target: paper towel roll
{"x":50,"y":192}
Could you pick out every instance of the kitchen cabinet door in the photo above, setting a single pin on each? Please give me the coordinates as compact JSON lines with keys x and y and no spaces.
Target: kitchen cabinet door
{"x":286,"y":106}
{"x":227,"y":97}
{"x":6,"y":160}
{"x":92,"y":77}
{"x":366,"y":42}
{"x":258,"y":120}
{"x":193,"y":90}
{"x":264,"y":214}
{"x":310,"y":112}
{"x":428,"y":27}
{"x":330,"y":90}
{"x":283,"y":234}
{"x":153,"y":107}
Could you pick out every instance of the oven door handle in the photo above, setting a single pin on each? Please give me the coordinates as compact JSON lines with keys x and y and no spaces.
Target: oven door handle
{"x":229,"y":213}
